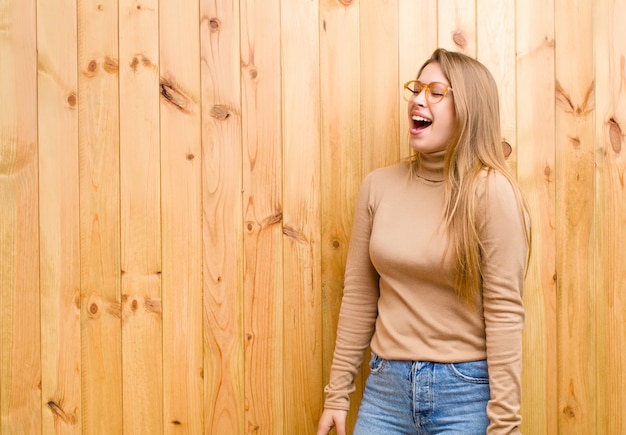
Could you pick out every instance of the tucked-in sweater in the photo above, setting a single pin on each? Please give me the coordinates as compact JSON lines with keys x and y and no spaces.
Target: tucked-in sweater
{"x":399,"y":292}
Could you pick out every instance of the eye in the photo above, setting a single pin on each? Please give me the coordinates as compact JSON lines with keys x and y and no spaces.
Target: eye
{"x":437,"y":90}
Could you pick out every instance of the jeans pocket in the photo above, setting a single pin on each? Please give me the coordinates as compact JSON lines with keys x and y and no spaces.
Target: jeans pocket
{"x":376,"y":363}
{"x":475,"y":372}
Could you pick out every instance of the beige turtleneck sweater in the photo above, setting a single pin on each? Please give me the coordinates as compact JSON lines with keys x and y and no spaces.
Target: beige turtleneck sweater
{"x":399,"y":285}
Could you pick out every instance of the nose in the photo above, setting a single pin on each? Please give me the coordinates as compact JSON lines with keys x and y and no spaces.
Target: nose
{"x":420,"y":98}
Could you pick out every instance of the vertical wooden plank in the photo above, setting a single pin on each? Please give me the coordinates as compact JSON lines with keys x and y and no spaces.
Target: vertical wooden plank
{"x":140,"y":217}
{"x":222,"y":225}
{"x":417,"y":36}
{"x":301,"y":216}
{"x":98,"y":136}
{"x":340,"y":76}
{"x":535,"y":153}
{"x":263,"y":216}
{"x":181,"y":214}
{"x":59,"y":217}
{"x":495,"y":41}
{"x":20,"y":365}
{"x":574,"y":214}
{"x":457,"y":25}
{"x":610,"y":214}
{"x":379,"y":83}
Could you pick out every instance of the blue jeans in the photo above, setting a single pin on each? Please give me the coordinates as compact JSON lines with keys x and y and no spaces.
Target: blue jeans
{"x":413,"y":397}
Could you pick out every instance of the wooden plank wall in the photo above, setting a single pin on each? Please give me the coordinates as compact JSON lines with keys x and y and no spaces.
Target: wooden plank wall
{"x":177,"y":182}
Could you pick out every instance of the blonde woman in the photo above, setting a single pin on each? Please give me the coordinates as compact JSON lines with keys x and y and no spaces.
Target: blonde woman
{"x":435,"y":272}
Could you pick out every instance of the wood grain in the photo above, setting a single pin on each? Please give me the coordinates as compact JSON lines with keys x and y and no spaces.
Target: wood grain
{"x":380,"y":87}
{"x":495,"y":21}
{"x":301,"y":216}
{"x":59,"y":217}
{"x":222,"y":218}
{"x":20,"y":359}
{"x":181,"y":217}
{"x":576,"y":303}
{"x":140,"y":209}
{"x":262,"y":216}
{"x":98,"y":136}
{"x":456,"y":21}
{"x":610,"y":214}
{"x":177,"y":188}
{"x":340,"y":159}
{"x":535,"y":156}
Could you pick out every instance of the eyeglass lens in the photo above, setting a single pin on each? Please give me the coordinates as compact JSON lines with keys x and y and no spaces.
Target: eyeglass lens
{"x":434,"y":91}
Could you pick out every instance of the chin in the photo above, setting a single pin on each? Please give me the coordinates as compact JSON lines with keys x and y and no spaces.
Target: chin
{"x":425,"y":148}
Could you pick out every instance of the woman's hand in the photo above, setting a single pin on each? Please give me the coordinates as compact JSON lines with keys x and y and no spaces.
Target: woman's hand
{"x":332,"y":418}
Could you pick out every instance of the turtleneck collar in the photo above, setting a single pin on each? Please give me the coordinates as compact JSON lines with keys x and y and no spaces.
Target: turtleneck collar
{"x":430,"y":166}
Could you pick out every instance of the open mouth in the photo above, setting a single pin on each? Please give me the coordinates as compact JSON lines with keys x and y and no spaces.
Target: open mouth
{"x":420,"y":123}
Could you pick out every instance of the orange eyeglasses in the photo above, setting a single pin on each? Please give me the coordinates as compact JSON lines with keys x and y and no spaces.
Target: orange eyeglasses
{"x":435,"y":91}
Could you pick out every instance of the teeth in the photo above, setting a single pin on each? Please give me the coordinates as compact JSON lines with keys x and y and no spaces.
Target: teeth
{"x":419,"y":118}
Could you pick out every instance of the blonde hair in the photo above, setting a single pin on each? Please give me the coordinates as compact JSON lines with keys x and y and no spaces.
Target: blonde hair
{"x":476,"y":145}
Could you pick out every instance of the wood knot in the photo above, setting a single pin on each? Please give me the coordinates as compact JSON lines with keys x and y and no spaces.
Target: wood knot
{"x":111,"y":65}
{"x":153,"y":306}
{"x":459,"y":39}
{"x":219,"y":112}
{"x":59,"y":412}
{"x":92,"y":68}
{"x":140,"y":60}
{"x":134,"y":305}
{"x":294,"y":234}
{"x":547,"y":171}
{"x":566,"y":103}
{"x":190,"y":156}
{"x":615,"y":135}
{"x":72,"y":100}
{"x":175,"y":96}
{"x":254,"y":73}
{"x":346,"y":2}
{"x":93,"y":309}
{"x":215,"y":24}
{"x":569,"y":412}
{"x":507,"y":149}
{"x":336,"y":244}
{"x":100,"y":7}
{"x":115,"y":309}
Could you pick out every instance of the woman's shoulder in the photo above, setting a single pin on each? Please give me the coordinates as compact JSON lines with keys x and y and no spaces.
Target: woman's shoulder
{"x":389,"y":173}
{"x":494,"y":182}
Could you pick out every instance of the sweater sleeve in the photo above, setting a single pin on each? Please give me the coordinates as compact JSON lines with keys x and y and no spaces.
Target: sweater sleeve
{"x":357,"y":316}
{"x":503,"y":233}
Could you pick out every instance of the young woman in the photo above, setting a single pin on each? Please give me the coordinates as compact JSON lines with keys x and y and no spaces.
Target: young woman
{"x":435,"y":272}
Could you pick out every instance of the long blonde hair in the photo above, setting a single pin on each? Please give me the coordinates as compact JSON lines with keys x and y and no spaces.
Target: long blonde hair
{"x":475,"y":145}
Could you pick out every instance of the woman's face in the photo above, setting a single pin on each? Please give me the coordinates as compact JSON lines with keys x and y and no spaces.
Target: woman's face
{"x":431,"y":126}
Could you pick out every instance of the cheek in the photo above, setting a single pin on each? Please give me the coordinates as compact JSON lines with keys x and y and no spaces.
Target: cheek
{"x":447,"y":122}
{"x":450,"y":119}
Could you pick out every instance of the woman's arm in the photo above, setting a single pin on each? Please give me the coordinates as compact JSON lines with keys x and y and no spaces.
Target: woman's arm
{"x":503,"y":233}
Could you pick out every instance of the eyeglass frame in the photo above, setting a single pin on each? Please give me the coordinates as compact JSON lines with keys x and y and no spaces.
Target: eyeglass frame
{"x":421,"y":86}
